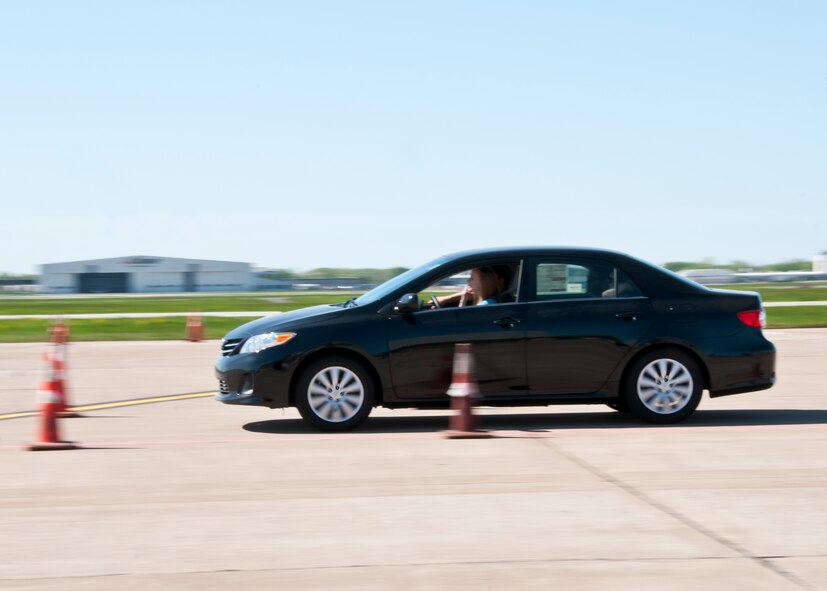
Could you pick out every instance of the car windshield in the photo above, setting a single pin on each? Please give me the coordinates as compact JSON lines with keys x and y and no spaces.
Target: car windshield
{"x":391,"y":285}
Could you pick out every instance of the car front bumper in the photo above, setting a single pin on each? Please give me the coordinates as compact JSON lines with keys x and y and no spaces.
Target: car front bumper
{"x":241,"y":398}
{"x":261,"y":379}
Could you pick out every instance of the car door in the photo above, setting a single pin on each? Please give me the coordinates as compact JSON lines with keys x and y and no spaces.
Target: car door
{"x":582,"y":318}
{"x":421,"y":349}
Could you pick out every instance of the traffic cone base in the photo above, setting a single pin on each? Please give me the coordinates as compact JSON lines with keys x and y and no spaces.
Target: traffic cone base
{"x":463,"y":423}
{"x":51,"y":446}
{"x":467,"y":435}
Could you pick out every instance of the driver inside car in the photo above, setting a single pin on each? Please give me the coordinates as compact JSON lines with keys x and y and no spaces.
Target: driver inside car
{"x":484,"y":287}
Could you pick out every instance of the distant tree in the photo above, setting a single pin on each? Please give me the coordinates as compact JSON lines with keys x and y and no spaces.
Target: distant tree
{"x":278,"y":274}
{"x":383,"y":275}
{"x":368,"y":275}
{"x":330,"y":273}
{"x":794,"y":265}
{"x":741,"y":266}
{"x":684,"y":265}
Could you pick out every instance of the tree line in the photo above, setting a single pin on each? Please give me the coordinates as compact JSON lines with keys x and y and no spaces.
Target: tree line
{"x":380,"y":275}
{"x":742,"y":266}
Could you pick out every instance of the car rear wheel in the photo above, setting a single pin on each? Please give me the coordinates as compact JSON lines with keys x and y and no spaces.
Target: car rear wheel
{"x":664,"y":386}
{"x":335,"y":394}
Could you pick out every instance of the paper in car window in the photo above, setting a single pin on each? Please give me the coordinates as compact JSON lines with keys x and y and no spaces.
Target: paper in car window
{"x":551,"y":279}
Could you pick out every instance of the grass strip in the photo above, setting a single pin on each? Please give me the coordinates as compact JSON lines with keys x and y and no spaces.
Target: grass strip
{"x":185,"y":304}
{"x":115,"y":329}
{"x":797,"y":317}
{"x":785,"y":292}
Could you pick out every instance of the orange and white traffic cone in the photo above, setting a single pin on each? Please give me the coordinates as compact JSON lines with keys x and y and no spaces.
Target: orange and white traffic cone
{"x":49,"y":402}
{"x":58,"y":357}
{"x":463,"y":392}
{"x":195,"y":328}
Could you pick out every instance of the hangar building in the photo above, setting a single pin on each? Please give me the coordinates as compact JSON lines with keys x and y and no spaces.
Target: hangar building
{"x":144,"y":274}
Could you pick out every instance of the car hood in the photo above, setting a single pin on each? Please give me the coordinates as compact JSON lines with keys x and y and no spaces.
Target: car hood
{"x":288,"y":320}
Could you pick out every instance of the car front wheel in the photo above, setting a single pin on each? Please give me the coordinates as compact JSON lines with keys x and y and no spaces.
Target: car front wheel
{"x":335,"y":394}
{"x":664,"y":386}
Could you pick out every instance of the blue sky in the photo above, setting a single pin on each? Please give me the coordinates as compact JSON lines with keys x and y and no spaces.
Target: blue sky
{"x":306,"y":134}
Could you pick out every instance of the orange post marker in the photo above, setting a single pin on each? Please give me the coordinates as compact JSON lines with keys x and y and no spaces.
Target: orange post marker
{"x":59,"y":332}
{"x":195,"y":328}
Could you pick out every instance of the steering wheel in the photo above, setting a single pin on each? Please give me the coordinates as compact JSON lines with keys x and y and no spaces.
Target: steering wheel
{"x":435,"y":302}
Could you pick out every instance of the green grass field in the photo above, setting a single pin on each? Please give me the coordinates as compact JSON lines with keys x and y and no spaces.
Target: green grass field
{"x":797,"y":317}
{"x":28,"y":330}
{"x":124,"y":329}
{"x":115,"y":329}
{"x":220,"y":303}
{"x":784,"y":292}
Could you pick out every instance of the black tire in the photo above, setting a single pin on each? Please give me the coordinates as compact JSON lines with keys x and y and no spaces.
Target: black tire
{"x":335,"y":393}
{"x":663,"y":386}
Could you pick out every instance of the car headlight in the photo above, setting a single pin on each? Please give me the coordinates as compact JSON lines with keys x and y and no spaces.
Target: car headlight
{"x":260,"y":342}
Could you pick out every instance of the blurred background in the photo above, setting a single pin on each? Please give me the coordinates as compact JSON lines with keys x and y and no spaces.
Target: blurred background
{"x":299,"y":136}
{"x":206,"y":148}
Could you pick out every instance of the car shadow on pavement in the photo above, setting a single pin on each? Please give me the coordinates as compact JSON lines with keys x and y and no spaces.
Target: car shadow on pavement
{"x":558,"y":421}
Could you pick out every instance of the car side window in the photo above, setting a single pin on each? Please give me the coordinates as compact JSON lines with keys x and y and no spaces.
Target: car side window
{"x":557,"y":280}
{"x":501,"y":287}
{"x":447,"y":285}
{"x":560,"y":280}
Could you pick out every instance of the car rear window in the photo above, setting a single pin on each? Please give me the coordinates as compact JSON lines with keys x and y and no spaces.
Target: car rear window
{"x":566,"y":280}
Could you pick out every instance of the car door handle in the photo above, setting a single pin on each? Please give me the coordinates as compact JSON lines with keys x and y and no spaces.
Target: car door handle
{"x":629,"y":315}
{"x":507,"y":322}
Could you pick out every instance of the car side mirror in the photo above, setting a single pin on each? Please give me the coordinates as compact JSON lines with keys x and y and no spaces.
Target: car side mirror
{"x":407,"y":304}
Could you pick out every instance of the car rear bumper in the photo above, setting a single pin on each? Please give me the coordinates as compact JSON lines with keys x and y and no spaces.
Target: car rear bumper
{"x":753,"y":386}
{"x":746,"y":371}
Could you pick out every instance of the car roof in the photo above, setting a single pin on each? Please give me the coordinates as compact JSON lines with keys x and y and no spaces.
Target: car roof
{"x":535,"y":251}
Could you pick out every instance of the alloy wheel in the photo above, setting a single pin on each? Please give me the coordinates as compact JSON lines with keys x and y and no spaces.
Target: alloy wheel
{"x":335,"y":394}
{"x":665,"y":386}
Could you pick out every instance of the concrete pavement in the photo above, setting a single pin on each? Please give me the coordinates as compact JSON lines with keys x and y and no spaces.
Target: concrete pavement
{"x":196,"y":495}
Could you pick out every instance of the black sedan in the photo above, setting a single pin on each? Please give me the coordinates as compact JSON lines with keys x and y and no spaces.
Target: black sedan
{"x":555,"y":326}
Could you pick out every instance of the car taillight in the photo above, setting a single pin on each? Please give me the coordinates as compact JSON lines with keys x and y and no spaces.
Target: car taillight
{"x":754,"y":318}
